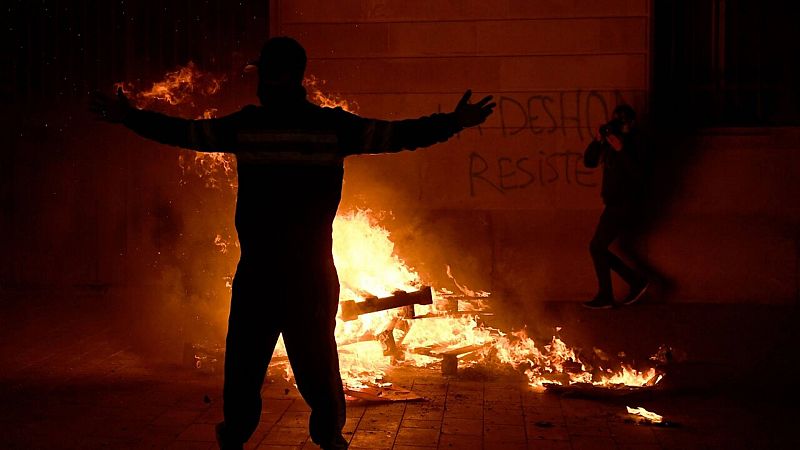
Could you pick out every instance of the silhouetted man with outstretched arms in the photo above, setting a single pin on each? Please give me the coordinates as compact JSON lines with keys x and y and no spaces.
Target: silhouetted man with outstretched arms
{"x":290,"y":156}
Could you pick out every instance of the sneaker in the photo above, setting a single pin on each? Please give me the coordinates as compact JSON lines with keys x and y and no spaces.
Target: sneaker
{"x":636,"y":293}
{"x":223,"y":445}
{"x":599,"y":302}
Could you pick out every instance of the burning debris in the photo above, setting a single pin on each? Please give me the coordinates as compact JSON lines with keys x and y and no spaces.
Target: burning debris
{"x":387,"y":316}
{"x":645,"y":415}
{"x":641,"y":416}
{"x":382,"y":394}
{"x":351,"y":309}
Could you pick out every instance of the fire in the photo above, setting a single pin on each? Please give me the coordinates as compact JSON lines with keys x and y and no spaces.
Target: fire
{"x":368,"y":265}
{"x":647,"y":415}
{"x":179,"y":91}
{"x":316,"y":95}
{"x":178,"y":87}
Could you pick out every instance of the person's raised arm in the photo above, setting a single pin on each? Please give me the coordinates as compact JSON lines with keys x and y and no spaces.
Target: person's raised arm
{"x":211,"y":135}
{"x":593,"y":153}
{"x":362,"y":135}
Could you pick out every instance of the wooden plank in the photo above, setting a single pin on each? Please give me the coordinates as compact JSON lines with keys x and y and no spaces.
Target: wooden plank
{"x":383,"y":394}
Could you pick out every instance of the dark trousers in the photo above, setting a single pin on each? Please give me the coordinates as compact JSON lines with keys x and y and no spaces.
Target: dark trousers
{"x":615,"y":220}
{"x":269,"y":300}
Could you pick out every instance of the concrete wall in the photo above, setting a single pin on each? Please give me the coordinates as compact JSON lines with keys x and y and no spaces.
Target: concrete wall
{"x":509,"y":205}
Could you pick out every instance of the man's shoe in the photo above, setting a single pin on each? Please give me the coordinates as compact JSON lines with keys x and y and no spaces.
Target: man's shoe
{"x":222,"y":441}
{"x":599,"y":302}
{"x":636,"y":293}
{"x":338,"y":443}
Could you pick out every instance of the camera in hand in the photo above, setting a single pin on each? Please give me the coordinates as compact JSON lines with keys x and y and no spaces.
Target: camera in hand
{"x":612,"y":127}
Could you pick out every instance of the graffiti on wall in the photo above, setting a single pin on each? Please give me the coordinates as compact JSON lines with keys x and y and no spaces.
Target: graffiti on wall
{"x":573,"y":116}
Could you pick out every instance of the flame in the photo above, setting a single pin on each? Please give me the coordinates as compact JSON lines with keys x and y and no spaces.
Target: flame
{"x":368,"y":265}
{"x":648,"y":415}
{"x":178,"y":90}
{"x":181,"y":86}
{"x":316,"y":95}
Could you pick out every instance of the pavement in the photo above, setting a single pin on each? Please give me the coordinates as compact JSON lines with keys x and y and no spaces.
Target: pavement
{"x":78,"y":381}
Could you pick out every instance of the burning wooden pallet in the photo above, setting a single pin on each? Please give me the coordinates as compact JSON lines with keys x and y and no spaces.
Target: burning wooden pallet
{"x":211,"y":357}
{"x":450,"y":356}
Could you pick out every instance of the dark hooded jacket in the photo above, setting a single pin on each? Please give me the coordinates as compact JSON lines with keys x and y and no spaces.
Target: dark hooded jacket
{"x":623,"y":174}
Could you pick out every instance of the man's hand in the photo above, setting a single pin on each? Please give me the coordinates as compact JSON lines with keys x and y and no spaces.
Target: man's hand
{"x":110,"y":109}
{"x":471,"y":114}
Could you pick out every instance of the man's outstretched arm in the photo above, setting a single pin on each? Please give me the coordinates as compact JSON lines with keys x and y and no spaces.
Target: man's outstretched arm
{"x":211,"y":135}
{"x":381,"y":136}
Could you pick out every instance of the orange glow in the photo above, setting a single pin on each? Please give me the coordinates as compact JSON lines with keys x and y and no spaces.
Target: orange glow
{"x":368,"y":265}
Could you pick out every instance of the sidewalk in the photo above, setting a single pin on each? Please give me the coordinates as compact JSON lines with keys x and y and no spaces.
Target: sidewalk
{"x":81,"y":387}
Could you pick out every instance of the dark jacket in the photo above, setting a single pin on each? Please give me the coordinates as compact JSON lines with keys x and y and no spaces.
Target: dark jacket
{"x":622,"y":170}
{"x":290,"y":158}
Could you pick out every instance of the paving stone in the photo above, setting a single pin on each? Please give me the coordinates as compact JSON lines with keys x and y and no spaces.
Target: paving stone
{"x":463,"y":411}
{"x":503,"y":433}
{"x":355,"y":411}
{"x":299,"y":405}
{"x":504,"y":417}
{"x":642,"y":446}
{"x":190,"y":445}
{"x":177,"y":418}
{"x":286,"y":436}
{"x":203,"y":432}
{"x":551,"y":432}
{"x":464,"y":427}
{"x":459,"y":442}
{"x":258,"y":436}
{"x":504,"y":445}
{"x":543,"y":444}
{"x":376,"y":422}
{"x":414,"y":423}
{"x":592,"y":443}
{"x":632,"y":434}
{"x":454,"y":395}
{"x":593,"y":429}
{"x":212,"y":415}
{"x":350,"y":425}
{"x":536,"y":399}
{"x":270,"y":419}
{"x":276,"y":406}
{"x":164,"y":408}
{"x":424,"y":411}
{"x":294,"y":419}
{"x":277,"y":447}
{"x":417,"y":436}
{"x":392,"y":409}
{"x":373,"y":439}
